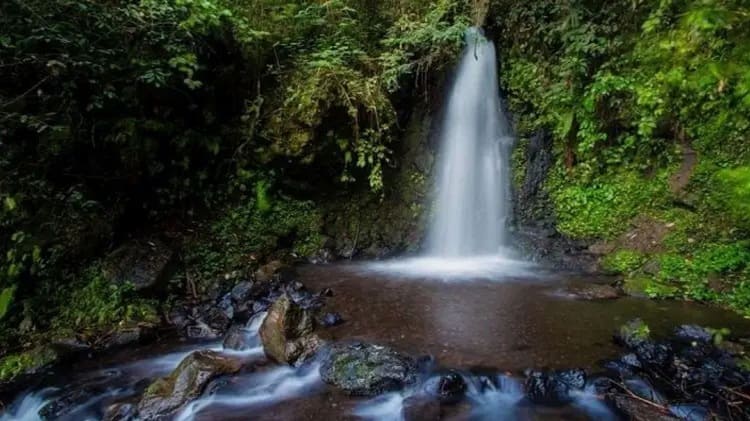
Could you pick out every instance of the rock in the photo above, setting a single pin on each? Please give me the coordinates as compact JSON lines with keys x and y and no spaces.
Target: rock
{"x":125,"y":336}
{"x":226,"y":306}
{"x":167,"y":395}
{"x":327,"y":292}
{"x":331,"y":319}
{"x":554,"y":388}
{"x":120,"y":412}
{"x":266,"y":272}
{"x":632,"y":333}
{"x":643,"y":389}
{"x":237,"y":338}
{"x":594,"y":292}
{"x":242,"y":292}
{"x":140,"y":262}
{"x":70,"y":345}
{"x":690,"y":412}
{"x":260,"y":306}
{"x":653,"y":354}
{"x":208,"y":321}
{"x":366,"y":370}
{"x":637,"y":410}
{"x":693,"y":333}
{"x":420,"y":408}
{"x":286,"y":332}
{"x":448,"y":388}
{"x":178,"y":317}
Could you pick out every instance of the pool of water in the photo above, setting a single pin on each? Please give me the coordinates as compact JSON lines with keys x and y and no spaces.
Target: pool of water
{"x":495,"y":323}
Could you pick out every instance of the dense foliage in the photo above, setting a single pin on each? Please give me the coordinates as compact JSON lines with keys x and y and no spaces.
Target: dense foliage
{"x":648,"y":103}
{"x":131,"y":116}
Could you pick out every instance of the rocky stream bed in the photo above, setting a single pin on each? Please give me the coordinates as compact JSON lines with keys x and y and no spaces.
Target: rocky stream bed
{"x":344,"y":342}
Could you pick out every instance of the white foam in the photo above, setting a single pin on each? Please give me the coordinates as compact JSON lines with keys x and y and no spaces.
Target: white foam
{"x":488,"y":267}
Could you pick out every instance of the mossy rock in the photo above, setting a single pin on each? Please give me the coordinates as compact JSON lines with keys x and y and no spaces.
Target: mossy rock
{"x":633,"y":333}
{"x":26,"y":363}
{"x":367,"y":370}
{"x":187,"y":382}
{"x":636,"y":286}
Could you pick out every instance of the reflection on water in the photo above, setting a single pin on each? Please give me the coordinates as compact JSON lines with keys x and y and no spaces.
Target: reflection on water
{"x":510,"y":325}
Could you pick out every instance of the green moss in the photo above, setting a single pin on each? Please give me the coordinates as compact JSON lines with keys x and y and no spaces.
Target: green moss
{"x":97,"y":305}
{"x":623,"y":261}
{"x":732,"y":192}
{"x":15,"y":364}
{"x":634,"y":332}
{"x":248,"y":229}
{"x":602,"y":208}
{"x":518,"y":162}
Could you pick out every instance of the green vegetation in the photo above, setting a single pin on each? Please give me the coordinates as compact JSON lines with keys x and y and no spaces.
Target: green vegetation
{"x":15,"y":364}
{"x":95,"y":304}
{"x":628,"y":89}
{"x":228,"y":119}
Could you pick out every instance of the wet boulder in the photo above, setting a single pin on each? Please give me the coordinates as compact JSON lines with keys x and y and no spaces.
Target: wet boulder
{"x":187,"y":382}
{"x":120,"y":412}
{"x":555,"y":387}
{"x":237,"y":338}
{"x":287,"y":332}
{"x":362,"y":369}
{"x":448,"y":388}
{"x":633,"y":333}
{"x":143,"y":263}
{"x":331,"y":319}
{"x":207,"y":321}
{"x":242,"y":292}
{"x":653,"y":354}
{"x":693,"y":333}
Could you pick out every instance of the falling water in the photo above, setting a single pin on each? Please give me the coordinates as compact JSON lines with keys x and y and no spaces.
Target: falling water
{"x":468,"y":237}
{"x":473,"y":177}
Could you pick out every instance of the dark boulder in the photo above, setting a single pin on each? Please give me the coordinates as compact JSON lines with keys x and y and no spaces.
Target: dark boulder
{"x":331,"y":319}
{"x":242,"y":292}
{"x":187,"y":382}
{"x":366,"y":370}
{"x":555,"y":387}
{"x":448,"y":388}
{"x":693,"y":333}
{"x":238,"y":338}
{"x":142,"y":263}
{"x":653,"y":354}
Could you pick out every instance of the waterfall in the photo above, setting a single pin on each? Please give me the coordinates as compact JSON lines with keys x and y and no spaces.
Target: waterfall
{"x":468,"y":236}
{"x":473,"y":178}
